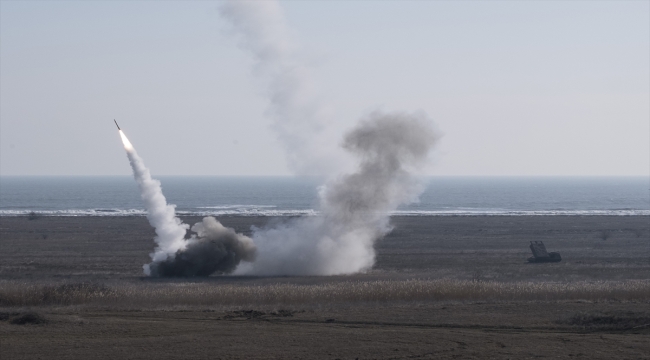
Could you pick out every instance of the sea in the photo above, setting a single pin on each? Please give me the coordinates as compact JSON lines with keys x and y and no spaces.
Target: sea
{"x":298,"y":196}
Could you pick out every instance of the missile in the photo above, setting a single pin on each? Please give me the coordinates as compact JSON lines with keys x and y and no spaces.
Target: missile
{"x":118,"y":127}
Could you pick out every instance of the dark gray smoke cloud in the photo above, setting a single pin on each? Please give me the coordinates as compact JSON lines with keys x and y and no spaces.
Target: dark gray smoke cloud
{"x":214,"y":249}
{"x":390,"y":148}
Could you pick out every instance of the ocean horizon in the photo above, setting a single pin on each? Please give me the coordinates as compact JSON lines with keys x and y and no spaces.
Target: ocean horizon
{"x":298,"y":196}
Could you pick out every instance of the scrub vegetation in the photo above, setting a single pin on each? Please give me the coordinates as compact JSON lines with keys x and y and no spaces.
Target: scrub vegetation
{"x":283,"y":294}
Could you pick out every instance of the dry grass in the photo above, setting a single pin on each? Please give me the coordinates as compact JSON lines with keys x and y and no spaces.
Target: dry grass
{"x":25,"y":294}
{"x":385,"y":291}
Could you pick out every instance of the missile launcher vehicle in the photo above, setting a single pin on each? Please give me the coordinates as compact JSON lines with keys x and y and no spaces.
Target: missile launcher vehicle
{"x":540,"y":255}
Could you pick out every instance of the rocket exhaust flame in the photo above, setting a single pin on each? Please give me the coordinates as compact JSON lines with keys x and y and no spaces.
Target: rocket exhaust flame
{"x":213,"y":247}
{"x":126,"y":142}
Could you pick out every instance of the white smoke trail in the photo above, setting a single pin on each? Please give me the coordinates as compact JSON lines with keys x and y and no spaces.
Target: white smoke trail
{"x":354,"y":208}
{"x":214,"y":248}
{"x":170,"y":230}
{"x":298,"y":118}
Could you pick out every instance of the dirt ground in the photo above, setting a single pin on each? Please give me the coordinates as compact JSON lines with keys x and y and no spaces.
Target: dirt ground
{"x":111,"y":251}
{"x":430,"y":331}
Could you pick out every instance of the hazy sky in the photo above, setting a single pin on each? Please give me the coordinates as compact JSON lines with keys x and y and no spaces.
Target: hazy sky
{"x":517,"y":87}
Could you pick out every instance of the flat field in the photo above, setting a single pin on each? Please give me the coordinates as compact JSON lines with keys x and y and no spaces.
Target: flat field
{"x":442,"y":287}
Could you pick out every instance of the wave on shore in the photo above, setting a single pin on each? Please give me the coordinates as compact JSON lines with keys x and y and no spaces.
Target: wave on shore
{"x":271,"y":211}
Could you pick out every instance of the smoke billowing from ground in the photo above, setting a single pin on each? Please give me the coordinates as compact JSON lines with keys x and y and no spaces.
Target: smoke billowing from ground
{"x":354,"y":208}
{"x":390,"y":149}
{"x":214,"y":248}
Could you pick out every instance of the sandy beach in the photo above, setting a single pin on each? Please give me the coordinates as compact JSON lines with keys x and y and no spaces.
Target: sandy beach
{"x":442,"y":287}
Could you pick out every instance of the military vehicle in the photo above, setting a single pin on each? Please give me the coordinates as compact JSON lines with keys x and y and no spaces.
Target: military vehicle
{"x":540,"y":255}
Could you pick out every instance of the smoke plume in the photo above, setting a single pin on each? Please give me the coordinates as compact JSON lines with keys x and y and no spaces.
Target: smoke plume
{"x":298,"y":118}
{"x":354,"y":209}
{"x":390,"y":149}
{"x":214,"y":248}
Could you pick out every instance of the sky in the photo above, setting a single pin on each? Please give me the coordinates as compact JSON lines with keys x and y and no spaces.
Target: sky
{"x":517,"y":87}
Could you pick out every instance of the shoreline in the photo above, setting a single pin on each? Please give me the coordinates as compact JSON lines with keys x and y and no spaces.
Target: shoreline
{"x":532,"y":213}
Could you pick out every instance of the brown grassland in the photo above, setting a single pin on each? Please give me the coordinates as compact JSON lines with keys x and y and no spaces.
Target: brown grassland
{"x":441,"y":288}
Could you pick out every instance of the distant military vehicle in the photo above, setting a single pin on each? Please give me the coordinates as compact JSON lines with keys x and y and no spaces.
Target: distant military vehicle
{"x":540,"y":255}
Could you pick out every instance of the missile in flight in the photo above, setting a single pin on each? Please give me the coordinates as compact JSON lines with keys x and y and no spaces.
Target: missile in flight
{"x":118,"y":127}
